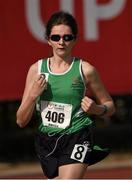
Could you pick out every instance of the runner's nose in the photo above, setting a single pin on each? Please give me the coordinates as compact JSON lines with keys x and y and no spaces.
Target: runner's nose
{"x":61,"y":41}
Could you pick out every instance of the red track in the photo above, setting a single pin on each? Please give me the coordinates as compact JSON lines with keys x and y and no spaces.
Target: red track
{"x":112,"y":173}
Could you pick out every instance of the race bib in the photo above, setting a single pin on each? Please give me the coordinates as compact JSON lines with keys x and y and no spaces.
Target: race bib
{"x":79,"y":152}
{"x":56,"y":114}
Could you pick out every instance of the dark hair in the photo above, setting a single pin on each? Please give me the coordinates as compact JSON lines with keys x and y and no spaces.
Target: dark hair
{"x":61,"y":17}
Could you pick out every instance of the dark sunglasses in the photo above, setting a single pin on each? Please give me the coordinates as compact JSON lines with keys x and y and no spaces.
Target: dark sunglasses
{"x":65,"y":37}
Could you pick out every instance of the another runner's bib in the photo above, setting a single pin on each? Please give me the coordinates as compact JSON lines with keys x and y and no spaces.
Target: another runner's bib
{"x":56,"y":114}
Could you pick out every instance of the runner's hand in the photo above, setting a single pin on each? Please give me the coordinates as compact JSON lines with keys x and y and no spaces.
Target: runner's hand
{"x":88,"y":105}
{"x":39,"y":85}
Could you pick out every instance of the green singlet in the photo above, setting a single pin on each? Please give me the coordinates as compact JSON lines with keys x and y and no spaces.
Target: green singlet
{"x":59,"y":106}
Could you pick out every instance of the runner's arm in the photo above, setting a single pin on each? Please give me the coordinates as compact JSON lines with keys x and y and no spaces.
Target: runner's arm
{"x":34,"y":86}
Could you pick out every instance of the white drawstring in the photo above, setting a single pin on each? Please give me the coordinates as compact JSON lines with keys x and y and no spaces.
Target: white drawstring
{"x":55,"y":146}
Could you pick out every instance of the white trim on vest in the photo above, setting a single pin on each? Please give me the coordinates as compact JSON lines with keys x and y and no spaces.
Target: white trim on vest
{"x":39,"y":66}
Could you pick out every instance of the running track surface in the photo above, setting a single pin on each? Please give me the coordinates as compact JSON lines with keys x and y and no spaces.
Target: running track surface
{"x":107,"y":173}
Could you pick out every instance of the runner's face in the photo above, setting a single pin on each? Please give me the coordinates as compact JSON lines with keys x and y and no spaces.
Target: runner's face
{"x":63,"y":43}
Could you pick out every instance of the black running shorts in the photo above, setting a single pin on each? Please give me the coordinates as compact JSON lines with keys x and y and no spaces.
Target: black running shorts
{"x":57,"y":150}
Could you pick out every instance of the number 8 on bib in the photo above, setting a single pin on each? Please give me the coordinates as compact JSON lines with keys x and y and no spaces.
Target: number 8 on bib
{"x":79,"y":152}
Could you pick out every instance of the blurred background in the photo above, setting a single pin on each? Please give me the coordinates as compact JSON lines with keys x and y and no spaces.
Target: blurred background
{"x":105,"y":40}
